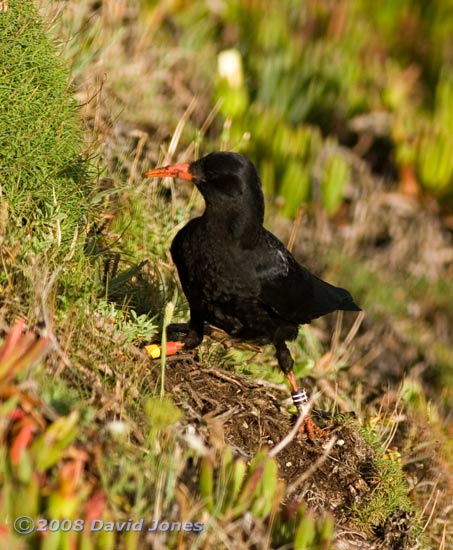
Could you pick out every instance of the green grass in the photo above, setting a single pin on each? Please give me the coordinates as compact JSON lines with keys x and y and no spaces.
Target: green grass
{"x":44,"y":176}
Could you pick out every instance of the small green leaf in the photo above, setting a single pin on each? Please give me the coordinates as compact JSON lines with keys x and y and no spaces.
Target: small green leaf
{"x":336,"y":177}
{"x":207,"y":482}
{"x":46,"y":449}
{"x":305,"y":534}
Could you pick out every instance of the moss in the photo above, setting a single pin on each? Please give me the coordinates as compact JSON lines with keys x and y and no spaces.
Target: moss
{"x":44,"y":177}
{"x":389,"y":495}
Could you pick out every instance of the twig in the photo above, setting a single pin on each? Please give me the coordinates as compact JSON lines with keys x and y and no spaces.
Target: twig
{"x":354,"y":329}
{"x":133,"y":173}
{"x":292,"y":238}
{"x":444,"y":538}
{"x":428,"y":521}
{"x":327,"y":389}
{"x":190,"y":151}
{"x":337,"y":332}
{"x":294,"y":431}
{"x":340,"y":351}
{"x":394,"y":426}
{"x":174,"y":144}
{"x":178,"y":131}
{"x":422,"y":513}
{"x":223,"y":376}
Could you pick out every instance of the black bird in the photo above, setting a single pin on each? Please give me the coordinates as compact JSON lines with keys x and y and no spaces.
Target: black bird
{"x":238,"y":276}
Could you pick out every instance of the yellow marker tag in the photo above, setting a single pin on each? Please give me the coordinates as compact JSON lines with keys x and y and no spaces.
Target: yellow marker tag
{"x":153,"y":350}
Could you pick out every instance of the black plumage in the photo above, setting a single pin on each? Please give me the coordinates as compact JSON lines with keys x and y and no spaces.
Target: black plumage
{"x":236,"y":275}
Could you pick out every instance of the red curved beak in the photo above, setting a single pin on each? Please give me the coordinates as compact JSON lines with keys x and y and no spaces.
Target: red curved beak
{"x":180,"y":171}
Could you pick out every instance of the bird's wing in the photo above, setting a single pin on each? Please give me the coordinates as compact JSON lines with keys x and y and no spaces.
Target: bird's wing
{"x":290,"y":291}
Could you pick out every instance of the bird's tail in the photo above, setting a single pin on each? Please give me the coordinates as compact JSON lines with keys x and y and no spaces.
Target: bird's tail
{"x":347,"y":303}
{"x":328,"y":298}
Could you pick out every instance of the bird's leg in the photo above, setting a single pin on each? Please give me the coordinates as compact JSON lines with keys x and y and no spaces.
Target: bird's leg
{"x":194,"y":336}
{"x":192,"y":339}
{"x":191,"y":336}
{"x":300,"y":399}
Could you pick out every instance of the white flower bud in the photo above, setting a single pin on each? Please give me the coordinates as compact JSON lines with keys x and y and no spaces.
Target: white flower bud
{"x":229,"y":66}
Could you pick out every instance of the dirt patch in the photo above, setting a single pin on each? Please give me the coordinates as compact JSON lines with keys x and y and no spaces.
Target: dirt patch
{"x":250,"y":414}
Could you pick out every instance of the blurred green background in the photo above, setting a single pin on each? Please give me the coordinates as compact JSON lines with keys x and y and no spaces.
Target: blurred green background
{"x":296,"y":81}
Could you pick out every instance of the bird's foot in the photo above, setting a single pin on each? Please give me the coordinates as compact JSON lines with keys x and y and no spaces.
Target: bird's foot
{"x":311,"y":429}
{"x":191,"y":338}
{"x":300,"y":399}
{"x":155,"y":350}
